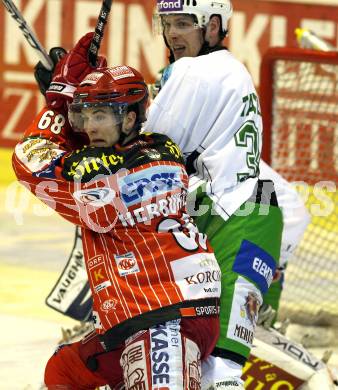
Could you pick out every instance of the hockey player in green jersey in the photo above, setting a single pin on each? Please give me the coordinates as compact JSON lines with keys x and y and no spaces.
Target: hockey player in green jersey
{"x":209,"y":106}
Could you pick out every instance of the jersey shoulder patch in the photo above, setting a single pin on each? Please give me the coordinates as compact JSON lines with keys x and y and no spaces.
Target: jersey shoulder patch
{"x":169,"y":150}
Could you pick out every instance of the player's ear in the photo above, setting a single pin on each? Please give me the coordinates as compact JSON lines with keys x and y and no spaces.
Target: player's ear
{"x":213,"y":30}
{"x":129,"y":122}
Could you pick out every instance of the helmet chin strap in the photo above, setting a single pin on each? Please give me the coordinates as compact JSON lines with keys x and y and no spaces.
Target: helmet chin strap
{"x":125,"y":138}
{"x":171,"y":57}
{"x":122,"y":138}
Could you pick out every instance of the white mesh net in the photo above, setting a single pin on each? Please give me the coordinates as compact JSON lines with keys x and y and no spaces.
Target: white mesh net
{"x":304,"y":147}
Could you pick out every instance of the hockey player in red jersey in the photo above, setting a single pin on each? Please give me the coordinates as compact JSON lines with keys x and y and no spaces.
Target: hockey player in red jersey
{"x":154,"y":279}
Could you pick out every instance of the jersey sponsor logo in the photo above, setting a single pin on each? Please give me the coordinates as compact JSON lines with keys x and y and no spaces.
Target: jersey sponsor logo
{"x":250,"y":308}
{"x":207,"y":261}
{"x":263,"y":269}
{"x":97,"y":197}
{"x":98,"y":273}
{"x":109,"y":305}
{"x":133,"y":362}
{"x":196,"y":277}
{"x":87,"y":166}
{"x":244,"y":334}
{"x":211,"y":290}
{"x":169,"y":6}
{"x":223,"y":384}
{"x":255,"y":264}
{"x":166,"y":354}
{"x":163,"y":207}
{"x":242,"y":307}
{"x":94,"y":261}
{"x":126,"y":264}
{"x":121,"y":72}
{"x":30,"y":143}
{"x":204,"y":277}
{"x":154,"y":181}
{"x":92,"y":78}
{"x":57,"y":87}
{"x":102,"y":286}
{"x":38,"y":154}
{"x":160,"y":356}
{"x":207,"y":310}
{"x":42,"y":154}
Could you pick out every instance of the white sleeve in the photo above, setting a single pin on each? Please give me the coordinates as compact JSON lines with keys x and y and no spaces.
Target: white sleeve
{"x":295,"y":215}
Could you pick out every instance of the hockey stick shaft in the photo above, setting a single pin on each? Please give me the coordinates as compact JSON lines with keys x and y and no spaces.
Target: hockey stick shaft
{"x":99,"y":30}
{"x":28,"y":34}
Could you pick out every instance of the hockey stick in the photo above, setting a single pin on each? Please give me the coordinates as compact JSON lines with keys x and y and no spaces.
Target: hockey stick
{"x":99,"y":29}
{"x":28,"y":34}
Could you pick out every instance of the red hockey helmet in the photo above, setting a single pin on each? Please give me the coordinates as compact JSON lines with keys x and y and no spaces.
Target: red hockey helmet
{"x":121,"y":87}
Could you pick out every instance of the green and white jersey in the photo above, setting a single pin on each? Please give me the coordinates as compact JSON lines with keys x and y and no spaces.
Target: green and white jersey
{"x":210,"y":108}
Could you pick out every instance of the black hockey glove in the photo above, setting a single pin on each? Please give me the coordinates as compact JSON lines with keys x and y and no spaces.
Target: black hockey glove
{"x":44,"y":76}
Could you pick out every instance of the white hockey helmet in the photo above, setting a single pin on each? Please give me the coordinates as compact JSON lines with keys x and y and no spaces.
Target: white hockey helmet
{"x":202,"y":9}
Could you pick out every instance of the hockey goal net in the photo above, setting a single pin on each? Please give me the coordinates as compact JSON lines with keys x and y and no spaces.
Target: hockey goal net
{"x":299,"y":98}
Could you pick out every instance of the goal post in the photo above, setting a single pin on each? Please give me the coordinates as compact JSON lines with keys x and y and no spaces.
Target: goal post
{"x":299,"y":104}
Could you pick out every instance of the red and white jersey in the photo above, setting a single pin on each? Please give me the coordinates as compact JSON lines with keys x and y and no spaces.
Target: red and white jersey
{"x":146,"y":260}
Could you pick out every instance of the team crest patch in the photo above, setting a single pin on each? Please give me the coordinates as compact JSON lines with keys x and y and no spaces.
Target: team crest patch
{"x":126,"y":264}
{"x":152,"y":154}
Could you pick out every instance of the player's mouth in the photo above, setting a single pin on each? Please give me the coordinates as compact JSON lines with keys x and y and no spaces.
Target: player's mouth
{"x":178,"y":51}
{"x":98,"y":142}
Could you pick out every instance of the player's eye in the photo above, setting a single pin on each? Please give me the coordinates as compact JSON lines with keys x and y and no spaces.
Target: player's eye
{"x":183,"y":24}
{"x":166,"y":25}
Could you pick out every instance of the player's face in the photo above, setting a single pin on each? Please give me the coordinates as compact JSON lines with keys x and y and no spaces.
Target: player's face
{"x":101,"y":126}
{"x":184,"y":38}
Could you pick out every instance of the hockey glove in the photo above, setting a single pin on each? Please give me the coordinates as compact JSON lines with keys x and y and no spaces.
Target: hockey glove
{"x":44,"y":76}
{"x":266,"y":316}
{"x":70,"y":71}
